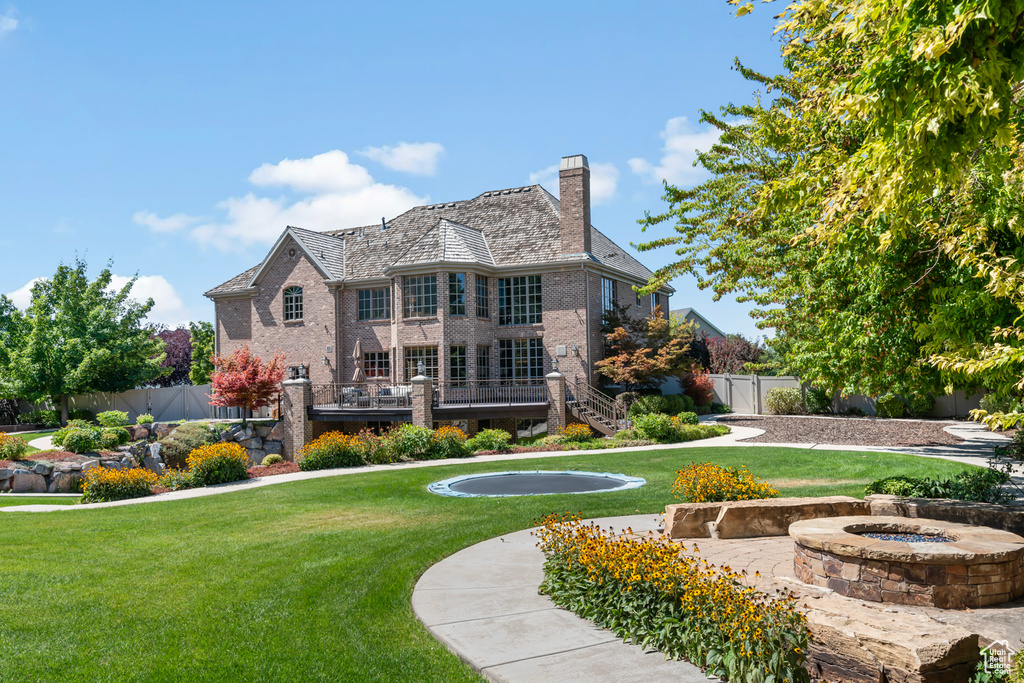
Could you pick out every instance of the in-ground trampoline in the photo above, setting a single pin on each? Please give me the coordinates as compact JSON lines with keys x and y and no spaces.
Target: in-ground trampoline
{"x":533,"y":483}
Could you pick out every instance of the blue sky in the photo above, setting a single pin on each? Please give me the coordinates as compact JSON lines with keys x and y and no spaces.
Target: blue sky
{"x":178,"y":139}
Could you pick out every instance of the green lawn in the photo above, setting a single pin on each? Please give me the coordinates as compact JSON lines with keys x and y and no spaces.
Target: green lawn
{"x":15,"y":499}
{"x":308,"y":580}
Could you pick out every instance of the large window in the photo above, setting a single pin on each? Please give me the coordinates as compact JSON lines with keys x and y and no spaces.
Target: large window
{"x":483,"y":303}
{"x":456,"y":294}
{"x":375,"y":304}
{"x":415,"y":354}
{"x":293,"y":303}
{"x":520,"y":359}
{"x":519,"y":300}
{"x":483,"y":362}
{"x":377,"y":364}
{"x":457,"y":365}
{"x":608,"y":296}
{"x":419,"y":296}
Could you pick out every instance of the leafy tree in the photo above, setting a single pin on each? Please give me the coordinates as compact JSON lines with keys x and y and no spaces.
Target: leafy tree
{"x":243,"y":380}
{"x":77,"y":337}
{"x":643,"y":352}
{"x":202,"y":352}
{"x":867,"y":207}
{"x":178,"y":347}
{"x":731,"y":353}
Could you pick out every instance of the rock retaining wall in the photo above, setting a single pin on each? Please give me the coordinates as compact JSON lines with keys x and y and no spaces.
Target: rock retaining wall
{"x":59,"y":477}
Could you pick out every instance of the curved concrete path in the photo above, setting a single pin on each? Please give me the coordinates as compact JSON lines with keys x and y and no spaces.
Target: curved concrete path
{"x":482,"y":603}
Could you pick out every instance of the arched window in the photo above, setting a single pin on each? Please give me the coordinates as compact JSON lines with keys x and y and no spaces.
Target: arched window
{"x":293,"y":303}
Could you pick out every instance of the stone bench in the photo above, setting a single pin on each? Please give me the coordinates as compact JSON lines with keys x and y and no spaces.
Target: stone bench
{"x":754,"y":518}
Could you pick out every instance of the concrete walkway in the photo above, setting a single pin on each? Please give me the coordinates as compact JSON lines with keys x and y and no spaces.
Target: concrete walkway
{"x":482,"y":603}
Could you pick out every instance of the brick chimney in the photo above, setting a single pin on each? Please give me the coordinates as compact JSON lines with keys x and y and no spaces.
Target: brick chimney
{"x":574,"y":195}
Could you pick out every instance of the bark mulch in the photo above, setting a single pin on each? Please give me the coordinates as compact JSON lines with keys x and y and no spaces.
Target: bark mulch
{"x":845,"y":431}
{"x":279,"y":468}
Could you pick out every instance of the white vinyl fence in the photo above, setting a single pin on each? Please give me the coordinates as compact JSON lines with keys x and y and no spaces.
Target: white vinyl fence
{"x":745,"y":394}
{"x":165,"y":404}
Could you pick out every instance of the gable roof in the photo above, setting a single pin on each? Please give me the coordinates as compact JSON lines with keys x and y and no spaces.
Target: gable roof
{"x":518,"y":226}
{"x":702,"y":321}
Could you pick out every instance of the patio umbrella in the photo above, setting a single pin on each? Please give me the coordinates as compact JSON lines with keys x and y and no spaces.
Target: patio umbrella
{"x":357,"y":351}
{"x":357,"y":355}
{"x":359,"y":376}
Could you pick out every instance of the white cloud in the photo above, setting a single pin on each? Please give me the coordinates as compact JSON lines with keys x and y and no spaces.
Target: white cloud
{"x":679,"y":153}
{"x":168,"y":308}
{"x":22,"y":296}
{"x":174,"y":223}
{"x":604,"y":179}
{"x":418,"y":158}
{"x":8,"y":22}
{"x":333,"y":193}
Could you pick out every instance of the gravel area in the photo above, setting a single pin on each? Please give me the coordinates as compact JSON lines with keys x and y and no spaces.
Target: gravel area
{"x":845,"y":431}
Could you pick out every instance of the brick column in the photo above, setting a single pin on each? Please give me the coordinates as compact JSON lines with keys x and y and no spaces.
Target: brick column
{"x":422,"y":401}
{"x":556,"y":402}
{"x":298,"y":429}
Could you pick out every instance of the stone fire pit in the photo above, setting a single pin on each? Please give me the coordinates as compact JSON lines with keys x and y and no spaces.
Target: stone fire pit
{"x":970,"y":566}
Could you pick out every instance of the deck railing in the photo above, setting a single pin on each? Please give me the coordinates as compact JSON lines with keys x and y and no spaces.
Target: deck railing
{"x":365,"y":395}
{"x":490,"y":392}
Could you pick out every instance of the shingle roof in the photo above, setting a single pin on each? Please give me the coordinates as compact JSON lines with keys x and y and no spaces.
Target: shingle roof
{"x":511,"y":227}
{"x":240,"y":281}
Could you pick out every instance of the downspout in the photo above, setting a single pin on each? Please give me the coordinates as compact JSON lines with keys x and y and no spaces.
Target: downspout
{"x":586,"y":286}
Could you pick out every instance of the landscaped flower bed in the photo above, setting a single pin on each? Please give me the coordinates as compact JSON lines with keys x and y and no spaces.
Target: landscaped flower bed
{"x":652,"y":592}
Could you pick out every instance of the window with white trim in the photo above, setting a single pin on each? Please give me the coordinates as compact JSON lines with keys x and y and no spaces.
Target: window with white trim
{"x":292,"y":303}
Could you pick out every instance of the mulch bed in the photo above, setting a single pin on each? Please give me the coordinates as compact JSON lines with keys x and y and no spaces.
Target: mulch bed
{"x":845,"y":431}
{"x":270,"y":470}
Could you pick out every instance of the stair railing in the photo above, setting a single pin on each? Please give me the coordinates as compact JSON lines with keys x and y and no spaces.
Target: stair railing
{"x":588,"y":399}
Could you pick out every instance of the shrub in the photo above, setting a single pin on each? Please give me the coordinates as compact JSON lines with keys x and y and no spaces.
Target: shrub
{"x":144,"y":419}
{"x":410,"y":442}
{"x":449,"y":442}
{"x":374,"y":449}
{"x":708,"y":483}
{"x":699,"y":386}
{"x":119,"y":435}
{"x":492,"y":440}
{"x":102,"y":485}
{"x":81,"y":440}
{"x":720,"y":408}
{"x":653,"y":592}
{"x":818,"y":401}
{"x":973,"y":485}
{"x":58,"y":437}
{"x":889,"y":405}
{"x":177,"y":480}
{"x":112,"y":418}
{"x":182,"y":441}
{"x":686,"y":418}
{"x":647,"y":405}
{"x":12,"y":448}
{"x":784,"y":401}
{"x":107,"y":441}
{"x":656,"y":427}
{"x":272,"y":459}
{"x":920,"y":405}
{"x":855,"y":411}
{"x":218,"y":463}
{"x":576,"y":433}
{"x":329,"y":451}
{"x":47,"y":418}
{"x":686,"y":432}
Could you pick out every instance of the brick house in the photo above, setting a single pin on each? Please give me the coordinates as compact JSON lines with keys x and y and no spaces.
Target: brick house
{"x":489,"y":289}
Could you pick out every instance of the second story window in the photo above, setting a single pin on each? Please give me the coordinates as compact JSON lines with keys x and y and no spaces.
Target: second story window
{"x":419,"y":296}
{"x":377,"y":364}
{"x":293,"y":303}
{"x":483,"y":363}
{"x":374,"y":304}
{"x":416,"y":354}
{"x":608,"y":301}
{"x":456,"y":294}
{"x":483,"y":303}
{"x":519,"y":300}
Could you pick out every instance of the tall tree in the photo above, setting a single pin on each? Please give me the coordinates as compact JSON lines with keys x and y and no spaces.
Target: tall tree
{"x":643,"y":352}
{"x":243,"y":380}
{"x":77,"y":337}
{"x":202,"y":352}
{"x":178,"y":348}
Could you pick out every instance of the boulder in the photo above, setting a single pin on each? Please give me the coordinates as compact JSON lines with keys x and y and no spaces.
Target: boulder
{"x":5,"y":485}
{"x":153,"y":465}
{"x":112,"y":464}
{"x":163,"y":429}
{"x":6,"y":473}
{"x":154,"y":451}
{"x":62,"y":482}
{"x":276,"y":432}
{"x":244,"y":434}
{"x":24,"y":481}
{"x":256,"y":455}
{"x":139,"y":448}
{"x":754,"y":518}
{"x":275,"y":447}
{"x":254,"y":442}
{"x":138,"y":432}
{"x":90,"y":464}
{"x":43,"y":469}
{"x":263,"y":431}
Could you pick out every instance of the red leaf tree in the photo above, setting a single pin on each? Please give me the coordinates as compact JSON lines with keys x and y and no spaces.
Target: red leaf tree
{"x":243,"y":380}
